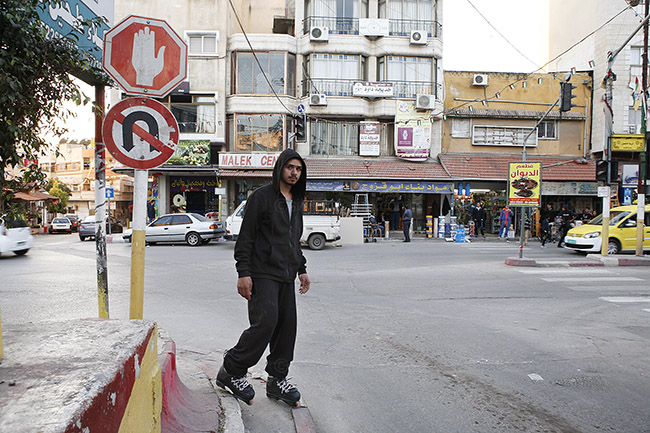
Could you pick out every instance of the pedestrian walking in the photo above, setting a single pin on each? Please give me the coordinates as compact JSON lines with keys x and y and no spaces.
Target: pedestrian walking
{"x":406,"y":223}
{"x":505,"y":219}
{"x":479,"y":218}
{"x":546,"y":230}
{"x":268,"y":257}
{"x":567,"y":216}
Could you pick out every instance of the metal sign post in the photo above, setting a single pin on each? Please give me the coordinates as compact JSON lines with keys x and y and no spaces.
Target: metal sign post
{"x":100,"y":207}
{"x":138,"y":243}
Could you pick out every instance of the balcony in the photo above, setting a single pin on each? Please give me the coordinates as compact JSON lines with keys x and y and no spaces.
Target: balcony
{"x":350,"y":26}
{"x":343,"y":87}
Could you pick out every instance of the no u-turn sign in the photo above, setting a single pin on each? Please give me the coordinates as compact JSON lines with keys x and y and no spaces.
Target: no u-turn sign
{"x":140,"y":133}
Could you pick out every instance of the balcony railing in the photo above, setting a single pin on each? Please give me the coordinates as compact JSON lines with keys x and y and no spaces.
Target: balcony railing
{"x":350,"y":26}
{"x":343,"y":87}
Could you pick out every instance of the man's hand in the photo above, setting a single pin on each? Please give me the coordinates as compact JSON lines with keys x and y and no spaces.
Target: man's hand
{"x":304,"y":283}
{"x":245,"y":287}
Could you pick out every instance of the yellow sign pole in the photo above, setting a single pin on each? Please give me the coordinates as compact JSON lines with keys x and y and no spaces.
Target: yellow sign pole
{"x":138,"y":244}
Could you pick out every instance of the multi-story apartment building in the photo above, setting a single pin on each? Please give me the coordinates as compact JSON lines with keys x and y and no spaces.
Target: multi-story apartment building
{"x":490,"y":117}
{"x":75,"y":166}
{"x":613,"y":23}
{"x":366,"y":74}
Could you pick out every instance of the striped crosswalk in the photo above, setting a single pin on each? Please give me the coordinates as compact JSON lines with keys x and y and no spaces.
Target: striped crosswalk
{"x":608,"y":285}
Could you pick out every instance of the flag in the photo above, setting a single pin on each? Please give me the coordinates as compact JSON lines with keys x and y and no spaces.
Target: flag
{"x":471,"y":109}
{"x":497,"y":95}
{"x":592,"y":63}
{"x":524,"y":84}
{"x":484,"y":102}
{"x":444,"y":117}
{"x":540,"y":80}
{"x":555,"y":75}
{"x":512,"y":86}
{"x":636,"y":93}
{"x":573,"y":70}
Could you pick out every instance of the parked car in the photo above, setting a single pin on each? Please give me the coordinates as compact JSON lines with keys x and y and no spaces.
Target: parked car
{"x":87,"y":227}
{"x":15,"y":236}
{"x":622,"y":232}
{"x":60,"y":224}
{"x":74,"y":219}
{"x":193,"y":228}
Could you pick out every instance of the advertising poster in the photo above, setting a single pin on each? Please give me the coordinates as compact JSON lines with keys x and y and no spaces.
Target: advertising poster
{"x":191,"y":152}
{"x":412,"y":132}
{"x":369,"y":139}
{"x":524,"y":183}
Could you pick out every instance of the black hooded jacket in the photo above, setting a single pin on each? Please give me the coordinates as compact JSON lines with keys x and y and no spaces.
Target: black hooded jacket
{"x":268,"y":245}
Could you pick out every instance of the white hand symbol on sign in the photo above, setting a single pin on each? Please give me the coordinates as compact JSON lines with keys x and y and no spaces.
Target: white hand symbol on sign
{"x":145,"y":64}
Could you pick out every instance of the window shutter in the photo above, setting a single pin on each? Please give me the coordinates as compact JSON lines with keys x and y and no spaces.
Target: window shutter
{"x":209,"y":44}
{"x":196,"y":44}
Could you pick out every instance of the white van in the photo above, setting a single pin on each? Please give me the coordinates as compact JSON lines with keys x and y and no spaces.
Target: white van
{"x":321,"y":223}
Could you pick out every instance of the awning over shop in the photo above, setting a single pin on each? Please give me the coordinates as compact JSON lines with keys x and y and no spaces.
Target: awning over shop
{"x":482,"y":166}
{"x":34,"y":196}
{"x":335,"y":168}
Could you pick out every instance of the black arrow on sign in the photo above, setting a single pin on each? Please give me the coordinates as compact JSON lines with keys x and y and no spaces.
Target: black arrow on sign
{"x":127,"y":128}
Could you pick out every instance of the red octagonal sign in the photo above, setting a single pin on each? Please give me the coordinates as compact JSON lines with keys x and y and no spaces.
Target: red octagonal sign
{"x":145,"y":56}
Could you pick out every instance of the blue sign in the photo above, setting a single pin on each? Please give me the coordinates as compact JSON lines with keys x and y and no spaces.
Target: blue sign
{"x":63,"y":19}
{"x":110,"y":193}
{"x":380,"y":186}
{"x":301,"y":108}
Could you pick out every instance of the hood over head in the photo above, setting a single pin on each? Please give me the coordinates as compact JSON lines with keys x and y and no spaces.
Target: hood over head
{"x":297,"y":190}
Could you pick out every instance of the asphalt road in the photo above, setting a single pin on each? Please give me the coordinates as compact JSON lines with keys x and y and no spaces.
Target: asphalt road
{"x":421,"y":337}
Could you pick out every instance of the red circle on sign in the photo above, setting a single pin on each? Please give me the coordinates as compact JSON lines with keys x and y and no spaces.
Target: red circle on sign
{"x":165,"y":142}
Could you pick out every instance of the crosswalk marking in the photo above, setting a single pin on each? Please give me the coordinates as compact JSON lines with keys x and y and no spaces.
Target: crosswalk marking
{"x":584,"y":279}
{"x":572,"y":271}
{"x":625,"y":299}
{"x":626,"y":288}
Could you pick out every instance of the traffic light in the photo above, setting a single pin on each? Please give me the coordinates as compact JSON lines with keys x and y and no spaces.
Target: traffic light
{"x":566,"y":94}
{"x":613,"y":171}
{"x":601,"y":170}
{"x":299,"y":126}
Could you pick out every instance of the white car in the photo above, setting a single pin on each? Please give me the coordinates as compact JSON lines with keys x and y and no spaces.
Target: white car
{"x":61,"y":224}
{"x":15,"y":236}
{"x":193,"y":228}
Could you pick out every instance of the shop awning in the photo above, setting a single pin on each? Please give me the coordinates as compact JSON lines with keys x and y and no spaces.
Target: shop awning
{"x":34,"y":196}
{"x":335,"y":168}
{"x":482,"y":166}
{"x":228,"y":173}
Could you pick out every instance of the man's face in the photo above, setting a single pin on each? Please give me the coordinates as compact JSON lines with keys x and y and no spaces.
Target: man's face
{"x":292,"y":171}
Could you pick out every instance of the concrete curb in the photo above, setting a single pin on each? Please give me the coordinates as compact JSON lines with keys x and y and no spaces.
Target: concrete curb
{"x":592,"y":260}
{"x":231,"y":411}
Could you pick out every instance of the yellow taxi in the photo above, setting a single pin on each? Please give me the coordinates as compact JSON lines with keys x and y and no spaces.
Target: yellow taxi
{"x":622,"y":232}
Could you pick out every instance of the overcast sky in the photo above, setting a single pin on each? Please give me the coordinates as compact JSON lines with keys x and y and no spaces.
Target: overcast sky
{"x":470,"y":44}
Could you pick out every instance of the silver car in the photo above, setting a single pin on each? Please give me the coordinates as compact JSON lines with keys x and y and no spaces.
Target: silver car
{"x":192,"y":228}
{"x":15,"y":236}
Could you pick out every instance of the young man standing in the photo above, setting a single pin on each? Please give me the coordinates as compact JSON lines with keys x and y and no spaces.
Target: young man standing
{"x":406,"y":223}
{"x":268,"y":257}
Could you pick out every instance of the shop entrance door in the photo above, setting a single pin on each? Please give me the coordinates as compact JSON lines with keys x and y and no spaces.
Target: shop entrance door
{"x":196,"y":201}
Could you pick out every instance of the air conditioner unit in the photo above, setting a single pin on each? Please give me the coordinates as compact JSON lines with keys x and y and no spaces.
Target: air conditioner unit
{"x":425,"y":102}
{"x":317,"y":99}
{"x":480,"y":80}
{"x":319,"y":34}
{"x":418,"y":37}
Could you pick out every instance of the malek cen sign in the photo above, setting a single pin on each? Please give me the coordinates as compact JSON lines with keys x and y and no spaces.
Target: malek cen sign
{"x":248,"y":160}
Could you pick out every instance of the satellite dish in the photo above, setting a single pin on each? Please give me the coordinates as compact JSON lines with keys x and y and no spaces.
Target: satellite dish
{"x":633,"y":2}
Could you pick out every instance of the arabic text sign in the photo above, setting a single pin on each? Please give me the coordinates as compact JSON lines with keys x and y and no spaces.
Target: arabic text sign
{"x":412,"y":132}
{"x":524,"y":183}
{"x":369,"y":139}
{"x":372,"y":90}
{"x":628,"y":143}
{"x":60,"y":20}
{"x":381,"y":186}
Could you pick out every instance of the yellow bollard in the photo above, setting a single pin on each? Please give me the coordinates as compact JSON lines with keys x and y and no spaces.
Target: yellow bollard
{"x":137,"y":274}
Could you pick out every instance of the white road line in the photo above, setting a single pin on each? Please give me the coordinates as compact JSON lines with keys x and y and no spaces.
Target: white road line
{"x":646,"y":310}
{"x":626,"y":288}
{"x":573,"y":270}
{"x":585,"y":279}
{"x":625,"y":299}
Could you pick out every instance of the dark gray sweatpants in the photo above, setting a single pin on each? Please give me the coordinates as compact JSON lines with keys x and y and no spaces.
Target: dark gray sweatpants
{"x":272,"y":317}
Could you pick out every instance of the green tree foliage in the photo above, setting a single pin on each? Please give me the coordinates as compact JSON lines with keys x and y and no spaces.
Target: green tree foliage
{"x":34,"y":82}
{"x":60,"y":190}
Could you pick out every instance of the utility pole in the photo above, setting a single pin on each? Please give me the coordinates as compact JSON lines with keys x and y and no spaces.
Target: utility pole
{"x":640,"y":203}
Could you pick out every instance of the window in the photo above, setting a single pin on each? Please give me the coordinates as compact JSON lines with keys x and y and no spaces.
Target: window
{"x":461,"y":128}
{"x":547,"y":130}
{"x":162,"y":221}
{"x":411,"y":75}
{"x":334,"y":74}
{"x":181,"y":219}
{"x":334,"y":138}
{"x":339,"y":16}
{"x":502,"y":136}
{"x":201,"y":44}
{"x":278,"y":67}
{"x":259,"y":133}
{"x":407,"y":15}
{"x":194,"y":113}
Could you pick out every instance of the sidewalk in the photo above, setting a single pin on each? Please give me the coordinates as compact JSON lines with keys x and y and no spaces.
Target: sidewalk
{"x":585,"y":261}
